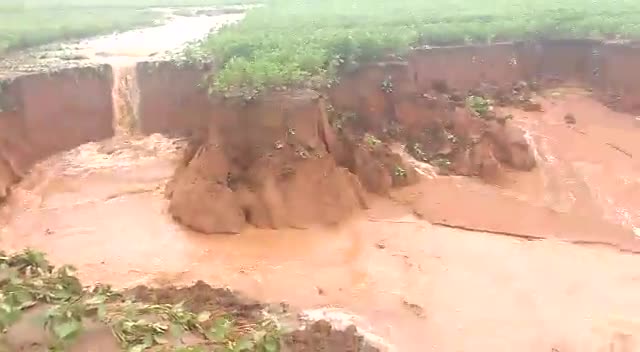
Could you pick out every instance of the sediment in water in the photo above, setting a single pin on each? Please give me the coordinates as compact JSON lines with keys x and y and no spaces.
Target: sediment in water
{"x":47,"y":113}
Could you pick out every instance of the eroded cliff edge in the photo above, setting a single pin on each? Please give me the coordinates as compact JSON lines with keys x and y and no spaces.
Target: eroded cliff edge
{"x":245,"y":150}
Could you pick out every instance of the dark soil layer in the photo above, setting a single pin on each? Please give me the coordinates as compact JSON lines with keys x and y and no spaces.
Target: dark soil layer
{"x":319,"y":336}
{"x":202,"y":297}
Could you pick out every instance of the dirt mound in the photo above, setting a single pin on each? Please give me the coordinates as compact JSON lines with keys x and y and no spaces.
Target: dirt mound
{"x":292,"y":160}
{"x":318,"y":336}
{"x":263,"y":163}
{"x":25,"y":335}
{"x":201,"y":297}
{"x":321,"y":337}
{"x":459,"y":132}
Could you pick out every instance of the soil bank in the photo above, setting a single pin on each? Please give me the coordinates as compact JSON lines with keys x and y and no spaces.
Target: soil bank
{"x":415,"y":283}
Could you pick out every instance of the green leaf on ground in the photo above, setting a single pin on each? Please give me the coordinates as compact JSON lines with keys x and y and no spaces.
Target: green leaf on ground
{"x":67,"y":330}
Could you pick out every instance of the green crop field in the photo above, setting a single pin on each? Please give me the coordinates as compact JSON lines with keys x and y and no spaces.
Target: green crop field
{"x":25,"y":23}
{"x":290,"y":41}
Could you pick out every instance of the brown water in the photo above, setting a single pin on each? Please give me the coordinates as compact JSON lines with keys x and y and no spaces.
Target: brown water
{"x":419,"y":286}
{"x":166,"y":39}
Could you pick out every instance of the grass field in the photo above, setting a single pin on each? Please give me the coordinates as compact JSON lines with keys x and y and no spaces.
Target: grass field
{"x":290,"y":41}
{"x":25,"y":23}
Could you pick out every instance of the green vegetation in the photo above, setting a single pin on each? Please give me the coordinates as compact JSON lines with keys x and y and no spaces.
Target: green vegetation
{"x":480,"y":106}
{"x":28,"y":281}
{"x":371,"y":140}
{"x":25,"y":23}
{"x":441,"y":162}
{"x":289,"y":42}
{"x":400,"y":172}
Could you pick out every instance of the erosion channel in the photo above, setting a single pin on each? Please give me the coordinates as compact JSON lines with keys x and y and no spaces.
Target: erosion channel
{"x":471,"y":198}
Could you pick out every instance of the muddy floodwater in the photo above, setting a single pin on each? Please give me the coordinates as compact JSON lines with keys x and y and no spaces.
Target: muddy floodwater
{"x":552,"y":280}
{"x":172,"y":32}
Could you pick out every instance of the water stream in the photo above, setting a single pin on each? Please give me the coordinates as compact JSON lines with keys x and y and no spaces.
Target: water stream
{"x":414,"y":285}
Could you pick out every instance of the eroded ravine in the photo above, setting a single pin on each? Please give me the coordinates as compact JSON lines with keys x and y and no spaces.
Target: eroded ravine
{"x":102,"y":208}
{"x":584,"y":190}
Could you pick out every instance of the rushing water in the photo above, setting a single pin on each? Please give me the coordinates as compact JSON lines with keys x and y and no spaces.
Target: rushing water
{"x":122,"y":49}
{"x":410,"y":285}
{"x":126,"y":97}
{"x":101,"y":207}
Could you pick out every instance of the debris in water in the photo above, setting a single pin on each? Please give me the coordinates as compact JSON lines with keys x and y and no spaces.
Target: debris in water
{"x":414,"y":308}
{"x":570,"y":119}
{"x":342,"y":320}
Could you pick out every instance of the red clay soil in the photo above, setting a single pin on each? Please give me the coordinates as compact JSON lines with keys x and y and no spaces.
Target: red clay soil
{"x":290,"y":160}
{"x":584,"y":189}
{"x":433,"y":123}
{"x":263,"y":163}
{"x":42,"y":114}
{"x":173,"y":100}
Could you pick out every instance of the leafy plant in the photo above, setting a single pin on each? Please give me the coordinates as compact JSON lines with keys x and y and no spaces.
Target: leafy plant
{"x":27,"y":279}
{"x":399,"y":171}
{"x":334,"y":36}
{"x":480,"y":106}
{"x":371,"y":140}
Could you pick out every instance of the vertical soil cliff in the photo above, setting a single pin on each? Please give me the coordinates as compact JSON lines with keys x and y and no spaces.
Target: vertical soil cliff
{"x":383,"y":191}
{"x":42,"y":114}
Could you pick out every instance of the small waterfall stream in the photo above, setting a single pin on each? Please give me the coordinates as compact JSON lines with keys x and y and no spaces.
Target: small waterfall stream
{"x":125,"y":95}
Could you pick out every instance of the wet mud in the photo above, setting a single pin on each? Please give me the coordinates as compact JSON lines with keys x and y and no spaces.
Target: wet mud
{"x":26,"y":335}
{"x":407,"y":251}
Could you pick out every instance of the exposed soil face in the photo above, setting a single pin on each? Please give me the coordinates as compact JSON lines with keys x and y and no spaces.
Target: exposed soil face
{"x":585,"y":185}
{"x":434,"y":123}
{"x":173,"y":100}
{"x":43,"y":114}
{"x":365,"y":222}
{"x":264,"y":164}
{"x":292,"y":159}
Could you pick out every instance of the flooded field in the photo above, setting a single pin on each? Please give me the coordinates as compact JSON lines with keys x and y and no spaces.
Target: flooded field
{"x":102,"y":208}
{"x":167,"y":38}
{"x":526,"y":241}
